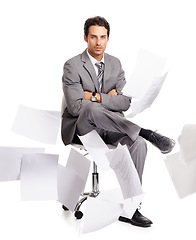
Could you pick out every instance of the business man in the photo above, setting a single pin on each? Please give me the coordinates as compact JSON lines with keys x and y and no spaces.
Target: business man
{"x":92,"y":85}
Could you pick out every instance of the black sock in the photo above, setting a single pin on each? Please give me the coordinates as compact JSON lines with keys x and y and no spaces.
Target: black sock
{"x":145,"y":133}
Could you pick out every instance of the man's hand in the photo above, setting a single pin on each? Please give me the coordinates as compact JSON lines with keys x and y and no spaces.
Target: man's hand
{"x":88,"y":95}
{"x":113,"y":92}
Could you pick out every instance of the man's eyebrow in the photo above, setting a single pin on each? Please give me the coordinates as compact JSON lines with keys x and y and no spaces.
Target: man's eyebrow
{"x":94,"y":35}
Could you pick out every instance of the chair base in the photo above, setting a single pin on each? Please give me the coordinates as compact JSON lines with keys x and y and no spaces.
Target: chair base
{"x":94,"y":193}
{"x":78,"y":214}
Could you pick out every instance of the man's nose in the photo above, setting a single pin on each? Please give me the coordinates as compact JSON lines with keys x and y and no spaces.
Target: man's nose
{"x":98,"y":41}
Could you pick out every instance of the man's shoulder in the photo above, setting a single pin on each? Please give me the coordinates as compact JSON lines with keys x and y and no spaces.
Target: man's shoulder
{"x":111,"y":58}
{"x":74,"y":59}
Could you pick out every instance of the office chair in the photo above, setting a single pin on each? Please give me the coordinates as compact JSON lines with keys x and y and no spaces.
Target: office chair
{"x":95,"y":176}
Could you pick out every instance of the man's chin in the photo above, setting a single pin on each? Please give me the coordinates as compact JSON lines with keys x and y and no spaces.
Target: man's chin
{"x":98,"y":53}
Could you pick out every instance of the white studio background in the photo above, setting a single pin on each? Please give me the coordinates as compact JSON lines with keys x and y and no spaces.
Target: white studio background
{"x":37,"y":37}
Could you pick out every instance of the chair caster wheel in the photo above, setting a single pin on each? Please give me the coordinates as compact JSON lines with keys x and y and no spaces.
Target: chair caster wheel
{"x":78,"y":214}
{"x":65,"y":208}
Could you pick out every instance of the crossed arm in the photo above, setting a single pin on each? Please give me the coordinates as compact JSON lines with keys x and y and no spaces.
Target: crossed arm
{"x":88,"y":95}
{"x":74,"y":92}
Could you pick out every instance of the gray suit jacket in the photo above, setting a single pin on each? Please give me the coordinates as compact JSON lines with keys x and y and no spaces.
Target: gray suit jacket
{"x":79,"y":76}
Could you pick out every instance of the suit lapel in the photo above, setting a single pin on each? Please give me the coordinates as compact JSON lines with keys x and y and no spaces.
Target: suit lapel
{"x":89,"y":67}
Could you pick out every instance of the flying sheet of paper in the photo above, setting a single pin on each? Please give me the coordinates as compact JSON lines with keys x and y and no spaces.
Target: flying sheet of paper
{"x":130,"y":205}
{"x":149,"y":97}
{"x":79,"y":164}
{"x":183,"y":175}
{"x":112,"y":195}
{"x":96,"y":147}
{"x":72,"y":179}
{"x":148,"y":65}
{"x":39,"y":177}
{"x":37,"y":124}
{"x":70,"y":186}
{"x":100,"y":213}
{"x":106,"y":209}
{"x":126,"y":173}
{"x":187,"y":142}
{"x":10,"y":161}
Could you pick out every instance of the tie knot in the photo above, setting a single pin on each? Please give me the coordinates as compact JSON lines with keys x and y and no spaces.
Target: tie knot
{"x":99,"y":65}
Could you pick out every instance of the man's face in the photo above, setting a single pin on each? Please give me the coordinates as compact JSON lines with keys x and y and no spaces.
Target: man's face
{"x":96,"y":41}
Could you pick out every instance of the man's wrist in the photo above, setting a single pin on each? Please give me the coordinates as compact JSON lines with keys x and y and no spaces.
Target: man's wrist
{"x":98,"y":95}
{"x":93,"y":97}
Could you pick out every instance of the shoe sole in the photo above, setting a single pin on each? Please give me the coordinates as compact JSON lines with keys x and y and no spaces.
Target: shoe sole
{"x":129,"y":221}
{"x":169,"y":150}
{"x":138,"y":225}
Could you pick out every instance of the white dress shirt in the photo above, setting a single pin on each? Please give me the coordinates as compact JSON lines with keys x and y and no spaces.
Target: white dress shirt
{"x":93,"y":60}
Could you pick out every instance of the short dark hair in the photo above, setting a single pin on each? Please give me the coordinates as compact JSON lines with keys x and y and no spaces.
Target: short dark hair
{"x":96,"y":21}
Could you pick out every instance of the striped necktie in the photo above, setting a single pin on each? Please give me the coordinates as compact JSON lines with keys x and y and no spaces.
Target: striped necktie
{"x":99,"y":65}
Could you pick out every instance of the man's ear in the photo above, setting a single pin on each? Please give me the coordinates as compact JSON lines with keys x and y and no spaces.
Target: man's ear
{"x":85,"y":38}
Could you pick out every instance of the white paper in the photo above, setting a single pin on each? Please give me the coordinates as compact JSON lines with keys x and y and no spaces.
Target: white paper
{"x":79,"y":164}
{"x":100,"y":213}
{"x":149,"y":97}
{"x":72,"y":179}
{"x":97,"y":149}
{"x":70,"y":186}
{"x":112,"y":195}
{"x":183,"y":175}
{"x":37,"y":124}
{"x":10,"y":161}
{"x":126,"y":173}
{"x":106,"y":208}
{"x":148,"y":65}
{"x":130,"y":205}
{"x":39,"y":177}
{"x":187,"y":142}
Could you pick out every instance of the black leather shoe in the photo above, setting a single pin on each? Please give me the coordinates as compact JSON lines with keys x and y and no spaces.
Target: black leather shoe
{"x":137,"y":220}
{"x":164,"y":144}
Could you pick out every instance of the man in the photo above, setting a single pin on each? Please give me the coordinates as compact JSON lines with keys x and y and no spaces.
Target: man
{"x":92,"y":85}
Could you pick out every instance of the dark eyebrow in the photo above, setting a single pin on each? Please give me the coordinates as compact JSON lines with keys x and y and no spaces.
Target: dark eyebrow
{"x":93,"y":35}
